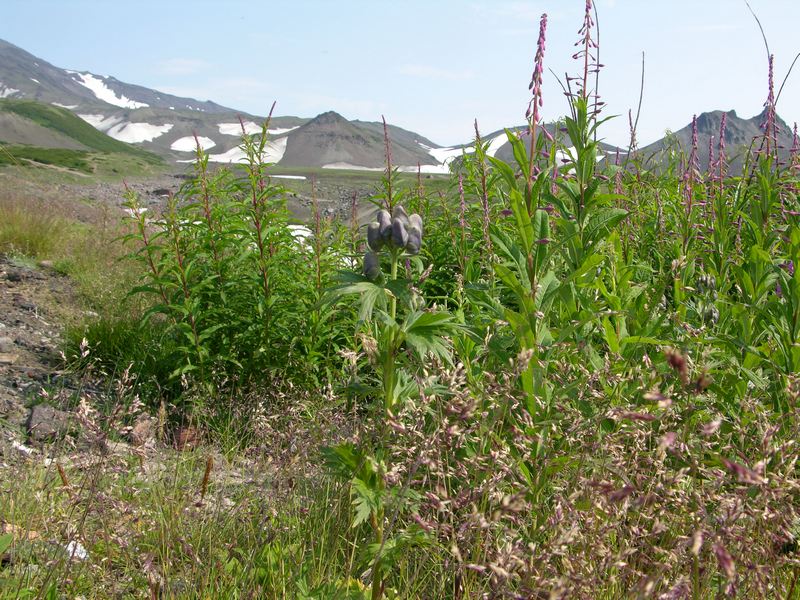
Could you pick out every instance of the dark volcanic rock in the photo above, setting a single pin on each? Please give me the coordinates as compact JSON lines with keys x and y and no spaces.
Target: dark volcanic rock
{"x":47,"y":424}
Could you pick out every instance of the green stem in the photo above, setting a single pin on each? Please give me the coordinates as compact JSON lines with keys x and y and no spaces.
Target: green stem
{"x":392,"y":277}
{"x":389,"y":358}
{"x":377,"y":578}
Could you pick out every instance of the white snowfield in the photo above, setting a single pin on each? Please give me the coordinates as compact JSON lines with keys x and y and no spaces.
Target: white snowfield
{"x":300,"y":232}
{"x":403,"y":169}
{"x":250,"y":128}
{"x":344,"y":165}
{"x":236,"y":128}
{"x":288,"y":176}
{"x":273,"y":152}
{"x":496,"y":143}
{"x":189,"y":144}
{"x":281,"y":130}
{"x":36,"y":81}
{"x":125,"y":131}
{"x":5,"y":92}
{"x":445,"y":156}
{"x":104,"y":93}
{"x":101,"y":122}
{"x":136,"y":133}
{"x":68,"y":106}
{"x":439,"y":169}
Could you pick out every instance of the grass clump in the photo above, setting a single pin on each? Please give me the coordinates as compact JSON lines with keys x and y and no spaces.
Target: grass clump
{"x":35,"y":233}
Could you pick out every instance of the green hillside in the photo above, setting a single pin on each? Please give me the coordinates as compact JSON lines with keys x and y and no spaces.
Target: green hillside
{"x":75,"y":160}
{"x":67,"y":123}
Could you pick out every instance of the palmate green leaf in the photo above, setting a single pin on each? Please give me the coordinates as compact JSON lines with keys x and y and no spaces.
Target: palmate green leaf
{"x":365,"y":500}
{"x":392,"y":549}
{"x":372,"y":294}
{"x":343,"y":460}
{"x":426,"y":333}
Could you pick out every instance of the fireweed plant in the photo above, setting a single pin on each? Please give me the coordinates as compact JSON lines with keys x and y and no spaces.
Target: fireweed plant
{"x":236,"y":288}
{"x":571,"y":373}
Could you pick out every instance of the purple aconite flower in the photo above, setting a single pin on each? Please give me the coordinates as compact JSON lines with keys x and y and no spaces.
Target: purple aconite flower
{"x":374,"y":238}
{"x":414,"y":240}
{"x":385,"y":224}
{"x":372,"y":265}
{"x":399,"y":233}
{"x":415,"y":221}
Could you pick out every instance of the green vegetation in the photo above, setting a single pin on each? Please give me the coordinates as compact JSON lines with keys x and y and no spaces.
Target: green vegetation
{"x":105,"y":157}
{"x":584,"y":383}
{"x":69,"y":159}
{"x":66,"y":122}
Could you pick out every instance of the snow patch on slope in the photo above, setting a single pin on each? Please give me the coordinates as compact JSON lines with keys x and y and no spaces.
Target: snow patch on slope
{"x":236,"y":128}
{"x":496,"y":143}
{"x":67,"y":106}
{"x":280,"y":130}
{"x":352,"y":167}
{"x":273,"y":152}
{"x":437,"y":169}
{"x":136,"y":133}
{"x":189,"y":144}
{"x":105,"y":93}
{"x":5,"y":92}
{"x":446,"y":155}
{"x":250,"y":128}
{"x":101,"y":122}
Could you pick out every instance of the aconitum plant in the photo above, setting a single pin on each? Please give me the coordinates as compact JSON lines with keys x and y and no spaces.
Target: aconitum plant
{"x":398,"y":232}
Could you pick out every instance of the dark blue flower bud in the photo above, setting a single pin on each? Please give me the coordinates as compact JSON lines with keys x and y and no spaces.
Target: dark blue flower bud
{"x":414,"y":242}
{"x":399,"y":234}
{"x":416,"y":221}
{"x":374,"y":239}
{"x":385,"y":223}
{"x":372,"y":265}
{"x":399,"y":213}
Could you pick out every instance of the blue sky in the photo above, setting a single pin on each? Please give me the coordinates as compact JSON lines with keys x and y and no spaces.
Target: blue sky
{"x":430,"y":66}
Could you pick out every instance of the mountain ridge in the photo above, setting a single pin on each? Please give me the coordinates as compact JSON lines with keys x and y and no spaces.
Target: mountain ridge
{"x":167,"y":125}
